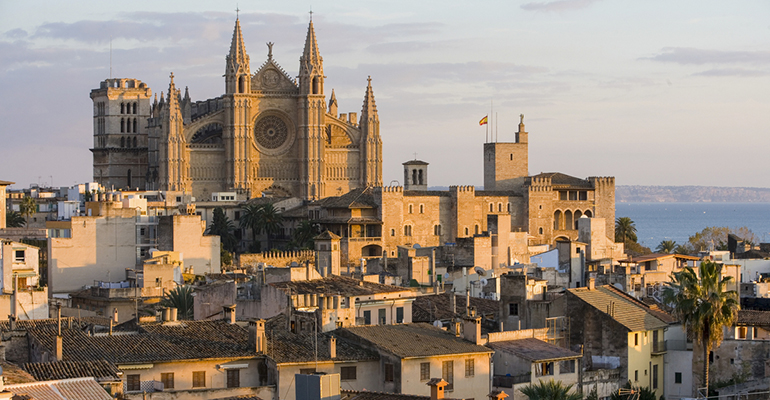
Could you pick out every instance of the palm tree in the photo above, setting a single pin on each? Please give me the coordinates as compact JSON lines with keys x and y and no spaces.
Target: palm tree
{"x":27,"y":207}
{"x":304,"y":234}
{"x":180,"y":298}
{"x":551,"y":390}
{"x":261,"y":218}
{"x":223,"y":227}
{"x":625,"y":230}
{"x":703,"y":304}
{"x":14,"y":219}
{"x":683,"y":249}
{"x":666,"y":246}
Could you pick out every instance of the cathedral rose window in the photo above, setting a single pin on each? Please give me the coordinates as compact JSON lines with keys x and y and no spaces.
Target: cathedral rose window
{"x":270,"y":132}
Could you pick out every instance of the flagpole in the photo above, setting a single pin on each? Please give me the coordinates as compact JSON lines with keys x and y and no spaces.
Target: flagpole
{"x":491,"y":112}
{"x":486,"y":127}
{"x":496,"y":125}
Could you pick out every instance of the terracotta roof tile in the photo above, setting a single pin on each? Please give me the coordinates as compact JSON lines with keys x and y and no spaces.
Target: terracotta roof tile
{"x":337,"y":285}
{"x":101,"y":370}
{"x":69,"y":389}
{"x":629,"y":312}
{"x":12,"y":373}
{"x":559,"y":179}
{"x":439,"y":307}
{"x":413,"y":340}
{"x":534,"y":350}
{"x":753,"y":318}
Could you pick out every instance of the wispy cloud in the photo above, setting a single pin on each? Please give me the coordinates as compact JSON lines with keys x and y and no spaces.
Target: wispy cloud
{"x":733,"y":72}
{"x":558,"y":5}
{"x":693,"y":56}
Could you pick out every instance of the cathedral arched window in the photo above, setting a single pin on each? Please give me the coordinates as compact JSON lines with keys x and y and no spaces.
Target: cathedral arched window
{"x":134,"y":108}
{"x":134,"y":144}
{"x":241,"y":85}
{"x":414,"y":177}
{"x":122,"y":125}
{"x":134,"y":130}
{"x":316,"y":85}
{"x":122,"y":108}
{"x":128,"y":179}
{"x":123,"y":142}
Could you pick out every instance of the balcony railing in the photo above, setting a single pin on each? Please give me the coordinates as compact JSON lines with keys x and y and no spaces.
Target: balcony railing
{"x":658,"y":347}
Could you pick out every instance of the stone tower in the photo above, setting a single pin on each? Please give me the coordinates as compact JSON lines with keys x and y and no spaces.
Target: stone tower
{"x":236,"y":135}
{"x":327,"y":246}
{"x":174,"y":168}
{"x":415,"y":175}
{"x":371,"y":143}
{"x":121,"y":109}
{"x":312,"y":113}
{"x":506,"y":165}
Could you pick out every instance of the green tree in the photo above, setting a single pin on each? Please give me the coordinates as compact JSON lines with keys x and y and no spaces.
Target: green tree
{"x":551,"y":390}
{"x":716,"y":236}
{"x":223,"y":227}
{"x":180,"y":298}
{"x":703,"y":304}
{"x":27,"y":207}
{"x":625,"y":230}
{"x":14,"y":219}
{"x":666,"y":246}
{"x":261,"y":218}
{"x":304,"y":235}
{"x":683,"y":249}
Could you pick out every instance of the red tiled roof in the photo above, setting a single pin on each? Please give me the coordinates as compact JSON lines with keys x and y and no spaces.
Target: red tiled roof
{"x":66,"y":389}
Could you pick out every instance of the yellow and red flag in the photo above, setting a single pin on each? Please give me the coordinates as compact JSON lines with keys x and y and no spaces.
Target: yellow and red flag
{"x":483,"y":120}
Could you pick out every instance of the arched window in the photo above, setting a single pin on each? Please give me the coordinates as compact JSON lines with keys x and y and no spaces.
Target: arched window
{"x":134,"y":130}
{"x":556,"y":220}
{"x":407,"y":230}
{"x":122,"y":108}
{"x":392,"y":232}
{"x":491,"y":207}
{"x":499,"y":207}
{"x":122,"y":142}
{"x":410,"y":209}
{"x":134,"y":108}
{"x":316,"y":85}
{"x":509,"y":207}
{"x":241,"y":85}
{"x":540,"y":231}
{"x":588,"y":214}
{"x":128,"y":179}
{"x":414,"y":177}
{"x":134,"y":144}
{"x":437,"y":230}
{"x":476,"y":230}
{"x":419,"y":176}
{"x":466,"y":231}
{"x":422,"y":208}
{"x":578,"y":214}
{"x":122,"y":125}
{"x":568,"y":221}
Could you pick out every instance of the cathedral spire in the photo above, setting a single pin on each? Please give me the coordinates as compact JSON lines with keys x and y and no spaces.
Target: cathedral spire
{"x":237,"y":70}
{"x":311,"y":62}
{"x":369,"y":108}
{"x":333,"y":104}
{"x":237,"y":56}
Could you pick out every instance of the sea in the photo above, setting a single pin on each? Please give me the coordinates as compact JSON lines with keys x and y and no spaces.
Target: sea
{"x":656,"y":222}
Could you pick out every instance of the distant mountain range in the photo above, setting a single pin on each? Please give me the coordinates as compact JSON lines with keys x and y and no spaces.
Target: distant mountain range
{"x":691,"y":194}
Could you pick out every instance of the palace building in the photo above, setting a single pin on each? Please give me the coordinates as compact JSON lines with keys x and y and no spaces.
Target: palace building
{"x":268,"y":133}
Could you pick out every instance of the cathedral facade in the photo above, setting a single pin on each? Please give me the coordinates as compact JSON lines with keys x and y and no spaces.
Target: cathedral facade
{"x":268,"y":133}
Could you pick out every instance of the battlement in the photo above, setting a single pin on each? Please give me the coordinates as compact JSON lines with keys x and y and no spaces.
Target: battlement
{"x":465,"y":188}
{"x":122,"y":83}
{"x":393,"y":189}
{"x":600,"y":181}
{"x":277,"y":258}
{"x":540,"y":181}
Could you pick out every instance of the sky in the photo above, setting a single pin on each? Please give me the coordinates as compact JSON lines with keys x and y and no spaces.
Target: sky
{"x":651,"y":92}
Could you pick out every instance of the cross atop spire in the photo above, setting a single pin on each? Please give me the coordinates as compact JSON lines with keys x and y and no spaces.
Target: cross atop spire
{"x":237,"y":12}
{"x":311,"y":13}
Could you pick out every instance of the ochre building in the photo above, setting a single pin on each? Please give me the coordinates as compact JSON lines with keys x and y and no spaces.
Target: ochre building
{"x":268,"y":133}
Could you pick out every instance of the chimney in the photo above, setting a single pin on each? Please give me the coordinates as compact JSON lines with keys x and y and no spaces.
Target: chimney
{"x":229,"y":313}
{"x":172,"y":314}
{"x":497,"y":395}
{"x":437,"y":388}
{"x":472,"y":328}
{"x":257,"y":340}
{"x":57,"y":348}
{"x":456,"y":327}
{"x":591,"y":283}
{"x":164,"y":314}
{"x":333,"y":347}
{"x":454,"y":303}
{"x":111,"y":324}
{"x":12,"y":322}
{"x":115,"y":315}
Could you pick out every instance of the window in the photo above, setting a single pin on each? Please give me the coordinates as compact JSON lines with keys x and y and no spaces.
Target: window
{"x":499,"y":207}
{"x":422,"y":208}
{"x":466,"y":231}
{"x":448,"y":373}
{"x":567,"y":367}
{"x":636,"y":376}
{"x":199,"y":379}
{"x":392,"y":232}
{"x":655,"y":376}
{"x":388,"y":372}
{"x":122,"y":140}
{"x":742,"y":330}
{"x":407,"y":230}
{"x":122,"y":125}
{"x":399,"y":315}
{"x":18,"y":256}
{"x":470,"y":368}
{"x":410,"y":209}
{"x":233,"y":378}
{"x":509,"y":207}
{"x":168,"y":380}
{"x":437,"y":230}
{"x":134,"y":108}
{"x":132,"y":383}
{"x":544,"y":369}
{"x":424,"y":371}
{"x":636,"y":339}
{"x":677,"y":377}
{"x":491,"y":207}
{"x":348,"y":373}
{"x":513,"y":309}
{"x":381,"y":316}
{"x":540,"y":231}
{"x":477,"y":229}
{"x":367,"y":317}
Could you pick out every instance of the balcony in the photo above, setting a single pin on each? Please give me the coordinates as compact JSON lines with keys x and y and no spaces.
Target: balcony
{"x":658,"y":348}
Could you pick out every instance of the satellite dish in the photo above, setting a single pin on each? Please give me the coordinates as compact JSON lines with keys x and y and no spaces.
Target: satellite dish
{"x":484,"y":282}
{"x":438,"y":324}
{"x":446,"y":275}
{"x":416,"y":246}
{"x":480,"y":271}
{"x":619,"y":286}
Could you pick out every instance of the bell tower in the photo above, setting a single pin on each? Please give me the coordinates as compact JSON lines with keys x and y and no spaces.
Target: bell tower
{"x":237,"y":134}
{"x":312,"y":118}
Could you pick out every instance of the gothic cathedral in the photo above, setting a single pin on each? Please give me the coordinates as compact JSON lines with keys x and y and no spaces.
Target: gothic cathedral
{"x":268,"y":134}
